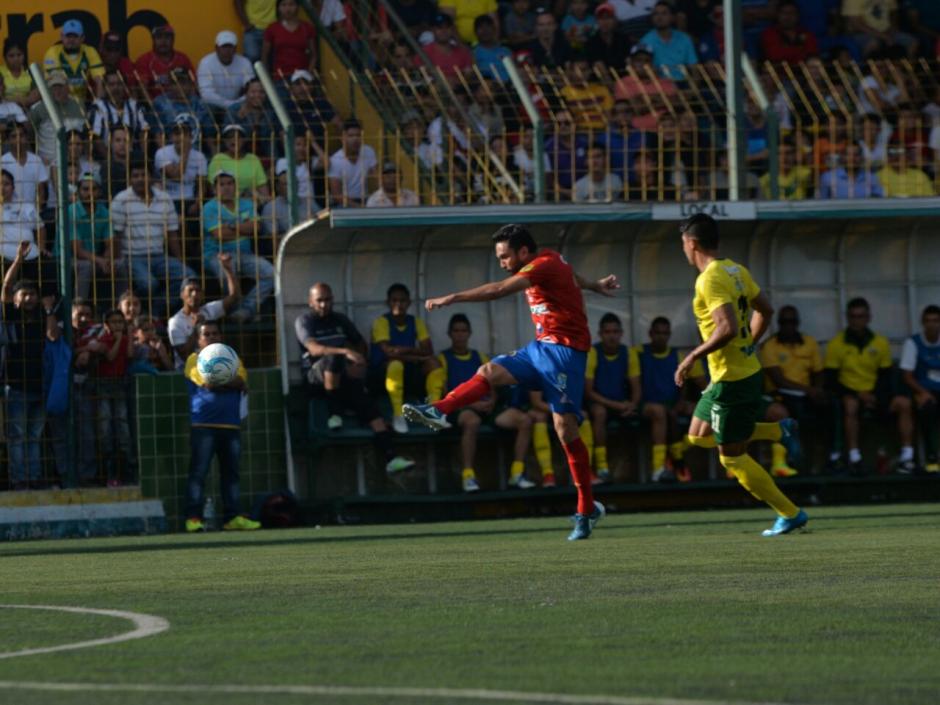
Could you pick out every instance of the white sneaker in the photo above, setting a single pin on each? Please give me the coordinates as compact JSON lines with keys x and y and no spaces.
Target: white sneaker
{"x":334,"y":422}
{"x":520,"y":482}
{"x":399,"y":425}
{"x":470,"y":484}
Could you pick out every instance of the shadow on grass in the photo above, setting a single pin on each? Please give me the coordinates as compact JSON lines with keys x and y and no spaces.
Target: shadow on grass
{"x":209,"y":541}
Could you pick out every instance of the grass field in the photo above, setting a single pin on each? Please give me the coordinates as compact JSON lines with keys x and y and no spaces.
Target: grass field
{"x":655,"y":608}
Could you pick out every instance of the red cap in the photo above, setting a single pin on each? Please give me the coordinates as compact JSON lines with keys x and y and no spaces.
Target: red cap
{"x":163,"y":29}
{"x":605,"y":8}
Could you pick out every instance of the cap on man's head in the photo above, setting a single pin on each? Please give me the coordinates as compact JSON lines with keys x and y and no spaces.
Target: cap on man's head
{"x":57,"y":78}
{"x":641,"y":49}
{"x":301,"y":75}
{"x":89,"y":176}
{"x":281,"y":167}
{"x":605,"y":8}
{"x":233,"y":127}
{"x":163,"y":29}
{"x":111,"y":40}
{"x":442,"y":19}
{"x":73,"y":27}
{"x":226,"y":38}
{"x":389,"y":168}
{"x":222,"y":172}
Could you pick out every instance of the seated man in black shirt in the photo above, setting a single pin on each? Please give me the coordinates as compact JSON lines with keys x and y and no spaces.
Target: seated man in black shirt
{"x":334,"y":363}
{"x":28,"y":323}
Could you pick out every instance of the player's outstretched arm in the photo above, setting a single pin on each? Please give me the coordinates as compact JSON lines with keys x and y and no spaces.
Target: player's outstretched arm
{"x":487,"y":292}
{"x":606,"y":286}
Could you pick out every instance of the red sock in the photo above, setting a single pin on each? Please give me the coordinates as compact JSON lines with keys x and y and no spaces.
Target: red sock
{"x":580,"y":466}
{"x":464,"y":394}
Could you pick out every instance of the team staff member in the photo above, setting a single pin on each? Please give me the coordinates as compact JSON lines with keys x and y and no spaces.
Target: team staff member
{"x":732,"y":315}
{"x":858,"y":371}
{"x":215,"y":414}
{"x":920,"y":370}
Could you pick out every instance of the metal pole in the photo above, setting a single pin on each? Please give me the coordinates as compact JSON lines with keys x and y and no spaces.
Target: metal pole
{"x":64,"y":253}
{"x":773,"y":125}
{"x":538,"y":132}
{"x":734,"y":98}
{"x":271,"y":90}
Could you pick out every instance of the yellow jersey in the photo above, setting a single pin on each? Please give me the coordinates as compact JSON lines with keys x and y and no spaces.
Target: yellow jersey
{"x":797,"y":361}
{"x":14,"y":87}
{"x":726,"y":282}
{"x":858,"y":368}
{"x":85,"y":64}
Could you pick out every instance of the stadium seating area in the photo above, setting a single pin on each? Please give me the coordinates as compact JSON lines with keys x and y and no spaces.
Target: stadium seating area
{"x":626,"y":117}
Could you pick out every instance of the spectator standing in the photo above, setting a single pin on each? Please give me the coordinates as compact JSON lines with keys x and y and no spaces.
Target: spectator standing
{"x":73,"y":115}
{"x":146,"y":239}
{"x":549,"y":49}
{"x":224,"y":72}
{"x":858,"y":372}
{"x":114,"y":435}
{"x":232,"y":227}
{"x":598,"y":185}
{"x":351,"y":167}
{"x":28,"y":324}
{"x":389,"y":195}
{"x":154,"y":68}
{"x":79,"y":62}
{"x":920,"y":370}
{"x":114,"y":108}
{"x":607,"y":48}
{"x":446,"y":52}
{"x":85,"y":349}
{"x":182,"y":328}
{"x":113,"y":58}
{"x":251,"y":180}
{"x":289,"y":43}
{"x":215,"y":416}
{"x":465,"y":12}
{"x":787,"y":41}
{"x":150,"y":354}
{"x":91,"y":232}
{"x":30,"y":174}
{"x":16,"y":79}
{"x":256,"y":16}
{"x":334,"y":364}
{"x":672,"y":48}
{"x":900,"y":178}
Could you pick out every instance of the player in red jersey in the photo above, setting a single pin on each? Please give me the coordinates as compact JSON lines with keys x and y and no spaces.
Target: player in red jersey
{"x":553,"y":363}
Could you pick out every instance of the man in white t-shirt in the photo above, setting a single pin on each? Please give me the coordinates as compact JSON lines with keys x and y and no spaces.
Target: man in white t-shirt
{"x":351,"y":167}
{"x":182,"y":326}
{"x":19,"y":222}
{"x":29,"y":171}
{"x":180,"y":167}
{"x":223,"y":73}
{"x":920,"y":370}
{"x":598,"y":185}
{"x":390,"y":195}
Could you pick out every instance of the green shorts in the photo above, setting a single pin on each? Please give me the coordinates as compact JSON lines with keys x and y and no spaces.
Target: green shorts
{"x":732,"y":408}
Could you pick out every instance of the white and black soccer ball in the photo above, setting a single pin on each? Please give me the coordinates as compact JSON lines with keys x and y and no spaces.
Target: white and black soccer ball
{"x":217,"y":363}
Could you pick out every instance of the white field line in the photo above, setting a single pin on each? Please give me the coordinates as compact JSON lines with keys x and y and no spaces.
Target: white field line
{"x":144,"y":625}
{"x":336,"y":690}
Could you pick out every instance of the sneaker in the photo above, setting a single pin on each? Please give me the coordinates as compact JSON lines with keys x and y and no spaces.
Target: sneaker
{"x":603,"y":474}
{"x":790,"y":439}
{"x":584,"y":525}
{"x":335,"y":422}
{"x":399,"y":425}
{"x":241,"y":523}
{"x":906,"y":467}
{"x":664,"y":475}
{"x":548,"y":480}
{"x":785,"y":526}
{"x":521,"y":482}
{"x":399,"y":464}
{"x":426,"y":414}
{"x":470,"y":484}
{"x":194,"y":524}
{"x":783,"y":471}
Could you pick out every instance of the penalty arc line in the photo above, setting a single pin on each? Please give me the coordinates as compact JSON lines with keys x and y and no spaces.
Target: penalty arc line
{"x":144,"y":625}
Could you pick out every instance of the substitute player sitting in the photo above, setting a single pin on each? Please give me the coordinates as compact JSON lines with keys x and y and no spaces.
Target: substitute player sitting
{"x":732,"y":315}
{"x":605,"y":386}
{"x":554,"y":362}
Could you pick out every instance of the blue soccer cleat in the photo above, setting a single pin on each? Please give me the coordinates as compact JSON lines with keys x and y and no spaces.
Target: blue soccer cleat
{"x":584,"y":525}
{"x":785,"y":526}
{"x":425,"y":414}
{"x":790,"y":439}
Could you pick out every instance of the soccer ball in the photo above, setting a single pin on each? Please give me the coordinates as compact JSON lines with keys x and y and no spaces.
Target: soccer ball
{"x":217,"y":363}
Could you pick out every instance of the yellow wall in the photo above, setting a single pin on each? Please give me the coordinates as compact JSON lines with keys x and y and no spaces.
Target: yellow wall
{"x":196,"y":22}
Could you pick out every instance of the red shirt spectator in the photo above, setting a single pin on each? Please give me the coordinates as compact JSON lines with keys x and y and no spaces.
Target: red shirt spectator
{"x":117,"y":367}
{"x":112,"y":56}
{"x":446,"y":53}
{"x":290,"y":43}
{"x":786,"y":41}
{"x":154,"y":67}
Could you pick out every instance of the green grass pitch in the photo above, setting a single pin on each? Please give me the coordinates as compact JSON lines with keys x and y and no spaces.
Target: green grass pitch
{"x":655,"y":608}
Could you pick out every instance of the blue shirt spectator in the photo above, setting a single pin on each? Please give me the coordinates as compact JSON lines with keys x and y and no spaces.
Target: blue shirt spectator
{"x":861,"y":183}
{"x":215,"y":215}
{"x":671,"y":48}
{"x":490,"y":60}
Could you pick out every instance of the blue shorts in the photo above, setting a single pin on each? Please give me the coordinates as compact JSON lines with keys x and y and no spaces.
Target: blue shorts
{"x":556,"y":370}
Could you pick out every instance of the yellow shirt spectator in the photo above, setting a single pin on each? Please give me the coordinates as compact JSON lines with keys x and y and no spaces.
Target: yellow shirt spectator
{"x":261,"y":13}
{"x":875,"y":13}
{"x":905,"y":183}
{"x":797,"y":361}
{"x":727,"y":282}
{"x":794,"y":185}
{"x":79,"y":67}
{"x":858,"y":368}
{"x":589,"y":105}
{"x":16,"y":88}
{"x":465,"y":12}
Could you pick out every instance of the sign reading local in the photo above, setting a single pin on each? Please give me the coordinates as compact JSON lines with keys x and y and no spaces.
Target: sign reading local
{"x":719,"y":210}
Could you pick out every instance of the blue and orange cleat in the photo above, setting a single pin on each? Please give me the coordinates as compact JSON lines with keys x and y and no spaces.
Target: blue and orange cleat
{"x":584,"y":524}
{"x":785,"y":526}
{"x":426,"y":414}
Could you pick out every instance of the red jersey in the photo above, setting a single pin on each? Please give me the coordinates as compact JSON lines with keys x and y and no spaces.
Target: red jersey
{"x":117,"y":367}
{"x":555,"y":301}
{"x":154,"y":72}
{"x":289,"y":48}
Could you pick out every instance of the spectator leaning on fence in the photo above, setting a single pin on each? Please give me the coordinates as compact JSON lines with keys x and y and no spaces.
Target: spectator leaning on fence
{"x":28,"y":324}
{"x":114,"y":435}
{"x":215,"y":416}
{"x":182,"y":328}
{"x":223,"y":73}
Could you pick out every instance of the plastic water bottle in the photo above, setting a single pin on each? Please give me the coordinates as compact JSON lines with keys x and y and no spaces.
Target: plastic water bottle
{"x":208,"y":514}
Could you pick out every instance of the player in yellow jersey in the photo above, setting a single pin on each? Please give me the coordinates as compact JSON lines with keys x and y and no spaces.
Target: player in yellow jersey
{"x":732,"y":314}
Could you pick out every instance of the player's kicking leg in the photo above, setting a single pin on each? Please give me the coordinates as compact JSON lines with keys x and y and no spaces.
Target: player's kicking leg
{"x":481,"y":385}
